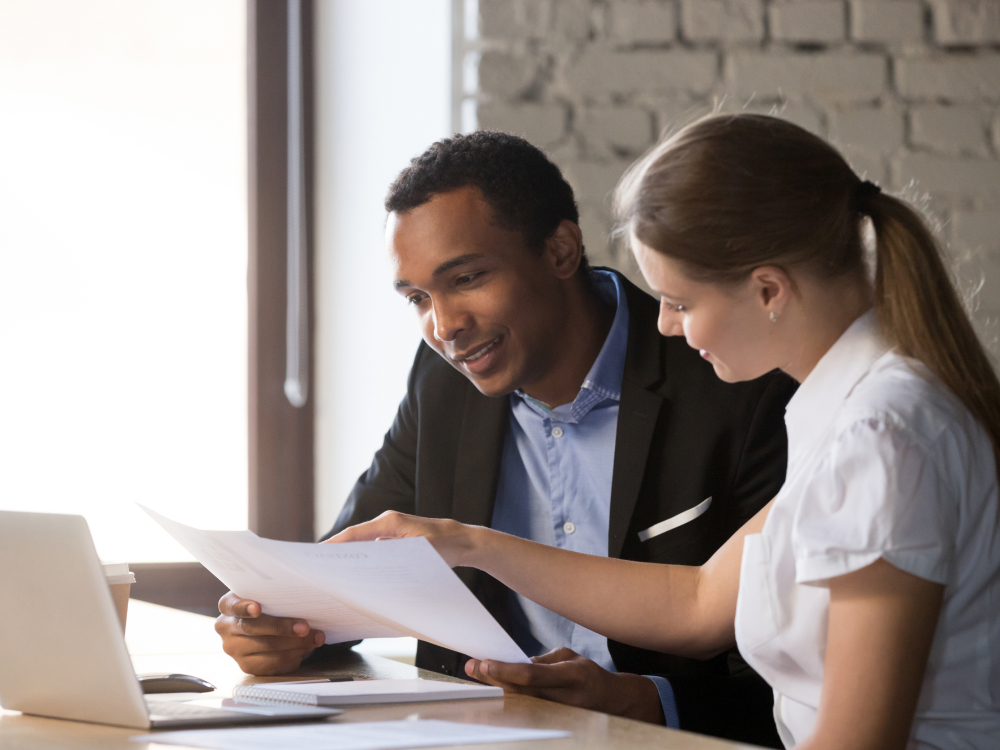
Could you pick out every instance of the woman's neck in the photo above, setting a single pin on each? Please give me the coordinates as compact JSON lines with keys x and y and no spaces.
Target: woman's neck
{"x":822,"y":311}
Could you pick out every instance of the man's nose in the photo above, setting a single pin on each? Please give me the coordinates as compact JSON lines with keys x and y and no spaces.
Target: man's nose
{"x":449,"y":321}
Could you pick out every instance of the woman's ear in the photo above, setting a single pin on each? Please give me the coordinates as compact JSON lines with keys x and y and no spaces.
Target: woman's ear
{"x":564,"y":249}
{"x":772,"y":287}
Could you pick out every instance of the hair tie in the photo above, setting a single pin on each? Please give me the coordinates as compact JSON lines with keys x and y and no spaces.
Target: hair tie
{"x":862,"y":193}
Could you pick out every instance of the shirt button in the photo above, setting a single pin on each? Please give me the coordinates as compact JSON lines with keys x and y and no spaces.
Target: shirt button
{"x":557,"y":432}
{"x":569,"y":527}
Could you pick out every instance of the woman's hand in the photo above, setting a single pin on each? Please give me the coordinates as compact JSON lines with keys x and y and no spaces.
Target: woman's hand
{"x":454,"y":541}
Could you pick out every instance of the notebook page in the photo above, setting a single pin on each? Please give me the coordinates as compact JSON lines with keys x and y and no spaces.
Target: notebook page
{"x":365,"y":691}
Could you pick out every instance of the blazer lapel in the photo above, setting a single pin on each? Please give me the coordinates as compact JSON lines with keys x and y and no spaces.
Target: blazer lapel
{"x":638,"y":412}
{"x":477,"y":462}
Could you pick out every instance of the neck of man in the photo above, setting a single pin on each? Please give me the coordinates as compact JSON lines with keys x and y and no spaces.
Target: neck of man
{"x":575,"y":347}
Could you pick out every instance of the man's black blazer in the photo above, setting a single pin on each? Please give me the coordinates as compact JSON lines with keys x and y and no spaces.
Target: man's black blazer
{"x":683,"y":436}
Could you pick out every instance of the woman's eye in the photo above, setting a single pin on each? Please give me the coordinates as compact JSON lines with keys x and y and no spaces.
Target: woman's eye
{"x":674,"y":308}
{"x":468,"y":278}
{"x":416,"y":299}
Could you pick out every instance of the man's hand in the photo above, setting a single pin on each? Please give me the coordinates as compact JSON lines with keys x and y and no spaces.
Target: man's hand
{"x":261,"y":644}
{"x":566,"y":677}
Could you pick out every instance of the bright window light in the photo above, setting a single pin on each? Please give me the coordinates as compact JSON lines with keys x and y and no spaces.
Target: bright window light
{"x":123,"y":256}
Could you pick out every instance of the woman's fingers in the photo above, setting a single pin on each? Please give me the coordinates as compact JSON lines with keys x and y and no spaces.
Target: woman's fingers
{"x":450,"y":538}
{"x":389,"y":525}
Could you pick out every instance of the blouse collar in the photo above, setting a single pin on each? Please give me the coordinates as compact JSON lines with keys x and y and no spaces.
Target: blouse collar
{"x":815,"y":403}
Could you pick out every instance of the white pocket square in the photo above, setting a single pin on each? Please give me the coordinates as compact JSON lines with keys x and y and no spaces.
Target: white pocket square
{"x":679,"y":520}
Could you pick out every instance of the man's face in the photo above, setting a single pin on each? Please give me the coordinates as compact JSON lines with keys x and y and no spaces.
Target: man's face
{"x":486,"y":303}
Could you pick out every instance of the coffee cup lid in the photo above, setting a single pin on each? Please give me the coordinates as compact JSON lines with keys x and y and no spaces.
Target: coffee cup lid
{"x":115,"y":569}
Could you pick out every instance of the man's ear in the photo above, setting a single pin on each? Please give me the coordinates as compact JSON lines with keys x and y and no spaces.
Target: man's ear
{"x":772,"y":287}
{"x":564,"y":249}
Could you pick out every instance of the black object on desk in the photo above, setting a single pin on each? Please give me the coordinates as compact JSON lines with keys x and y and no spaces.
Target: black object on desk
{"x":174,"y":683}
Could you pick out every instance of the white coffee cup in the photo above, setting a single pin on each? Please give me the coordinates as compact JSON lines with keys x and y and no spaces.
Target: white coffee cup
{"x":120,"y":581}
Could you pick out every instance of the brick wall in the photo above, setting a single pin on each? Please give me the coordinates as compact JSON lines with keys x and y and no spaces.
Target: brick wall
{"x":909,"y":90}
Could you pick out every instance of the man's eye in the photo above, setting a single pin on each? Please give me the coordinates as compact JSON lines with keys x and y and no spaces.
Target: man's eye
{"x":416,"y":299}
{"x":467,"y":279}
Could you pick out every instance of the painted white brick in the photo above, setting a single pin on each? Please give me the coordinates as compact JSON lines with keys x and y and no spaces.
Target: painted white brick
{"x":966,"y":21}
{"x":877,"y":130}
{"x":596,"y":228}
{"x":542,"y":124}
{"x":503,"y":74}
{"x":996,"y":133}
{"x":572,"y":19}
{"x":674,"y":112}
{"x":513,"y":19}
{"x":887,"y":21}
{"x":808,"y":21}
{"x":722,"y":20}
{"x":958,"y":78}
{"x":867,"y":165}
{"x":833,"y":76}
{"x":649,"y":21}
{"x":593,"y":182}
{"x":949,"y":130}
{"x":625,"y":128}
{"x":976,"y":230}
{"x":946,"y":176}
{"x":602,"y":71}
{"x":800,"y":114}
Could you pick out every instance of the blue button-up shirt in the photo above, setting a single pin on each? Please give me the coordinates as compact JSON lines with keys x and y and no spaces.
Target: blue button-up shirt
{"x":555,"y":478}
{"x":555,"y":485}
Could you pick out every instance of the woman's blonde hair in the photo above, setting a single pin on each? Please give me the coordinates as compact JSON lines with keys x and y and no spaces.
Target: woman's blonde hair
{"x":730,"y":193}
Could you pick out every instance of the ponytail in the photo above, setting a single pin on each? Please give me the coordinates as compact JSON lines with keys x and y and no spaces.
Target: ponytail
{"x":920,"y":312}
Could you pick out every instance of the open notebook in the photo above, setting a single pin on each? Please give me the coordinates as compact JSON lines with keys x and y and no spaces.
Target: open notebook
{"x":364,"y":691}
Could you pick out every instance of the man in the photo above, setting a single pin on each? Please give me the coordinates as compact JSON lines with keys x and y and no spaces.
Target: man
{"x":544,"y":403}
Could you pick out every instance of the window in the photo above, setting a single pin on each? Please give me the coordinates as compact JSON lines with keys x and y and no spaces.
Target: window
{"x":123,"y":265}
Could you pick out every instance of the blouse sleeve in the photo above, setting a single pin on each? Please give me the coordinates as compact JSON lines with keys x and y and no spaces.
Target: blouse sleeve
{"x":876,"y":494}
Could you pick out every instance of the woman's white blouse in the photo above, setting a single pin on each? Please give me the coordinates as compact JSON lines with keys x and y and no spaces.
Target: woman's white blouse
{"x":883,"y":462}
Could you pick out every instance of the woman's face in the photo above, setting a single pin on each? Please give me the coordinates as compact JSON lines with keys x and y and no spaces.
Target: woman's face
{"x":729,"y":325}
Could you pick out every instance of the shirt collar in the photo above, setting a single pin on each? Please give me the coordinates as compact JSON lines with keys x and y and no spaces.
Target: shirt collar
{"x":812,"y":408}
{"x":604,"y":380}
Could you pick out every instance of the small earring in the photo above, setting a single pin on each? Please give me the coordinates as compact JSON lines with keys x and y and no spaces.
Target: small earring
{"x":774,"y":317}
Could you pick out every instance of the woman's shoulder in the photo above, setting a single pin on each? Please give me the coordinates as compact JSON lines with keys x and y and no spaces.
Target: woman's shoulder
{"x":901,"y":395}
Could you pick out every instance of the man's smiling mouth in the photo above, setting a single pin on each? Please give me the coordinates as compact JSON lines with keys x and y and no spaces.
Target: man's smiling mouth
{"x":480,"y":352}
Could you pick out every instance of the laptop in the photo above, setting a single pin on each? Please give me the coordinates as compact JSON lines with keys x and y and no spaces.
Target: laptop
{"x":61,"y":643}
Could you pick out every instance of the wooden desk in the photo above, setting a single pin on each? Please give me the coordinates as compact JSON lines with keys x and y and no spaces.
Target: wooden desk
{"x":168,"y":640}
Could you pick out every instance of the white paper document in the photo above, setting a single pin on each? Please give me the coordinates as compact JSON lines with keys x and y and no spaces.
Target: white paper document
{"x":373,"y":735}
{"x":387,"y":589}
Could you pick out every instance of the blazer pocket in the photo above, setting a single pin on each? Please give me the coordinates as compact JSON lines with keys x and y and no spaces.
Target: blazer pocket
{"x":674,"y":521}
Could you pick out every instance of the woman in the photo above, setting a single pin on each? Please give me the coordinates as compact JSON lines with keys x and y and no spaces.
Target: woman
{"x":867,"y":592}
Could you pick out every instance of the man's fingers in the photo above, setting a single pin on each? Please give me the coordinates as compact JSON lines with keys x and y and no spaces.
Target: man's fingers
{"x":244,"y":645}
{"x":230,"y":604}
{"x":555,"y":656}
{"x":265,"y":625}
{"x":529,"y":675}
{"x":271,"y":663}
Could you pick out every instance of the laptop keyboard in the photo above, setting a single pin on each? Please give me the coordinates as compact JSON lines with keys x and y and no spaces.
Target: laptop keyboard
{"x":169,"y":710}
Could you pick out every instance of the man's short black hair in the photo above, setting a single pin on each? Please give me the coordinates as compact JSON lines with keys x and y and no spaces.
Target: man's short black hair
{"x":525,"y":190}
